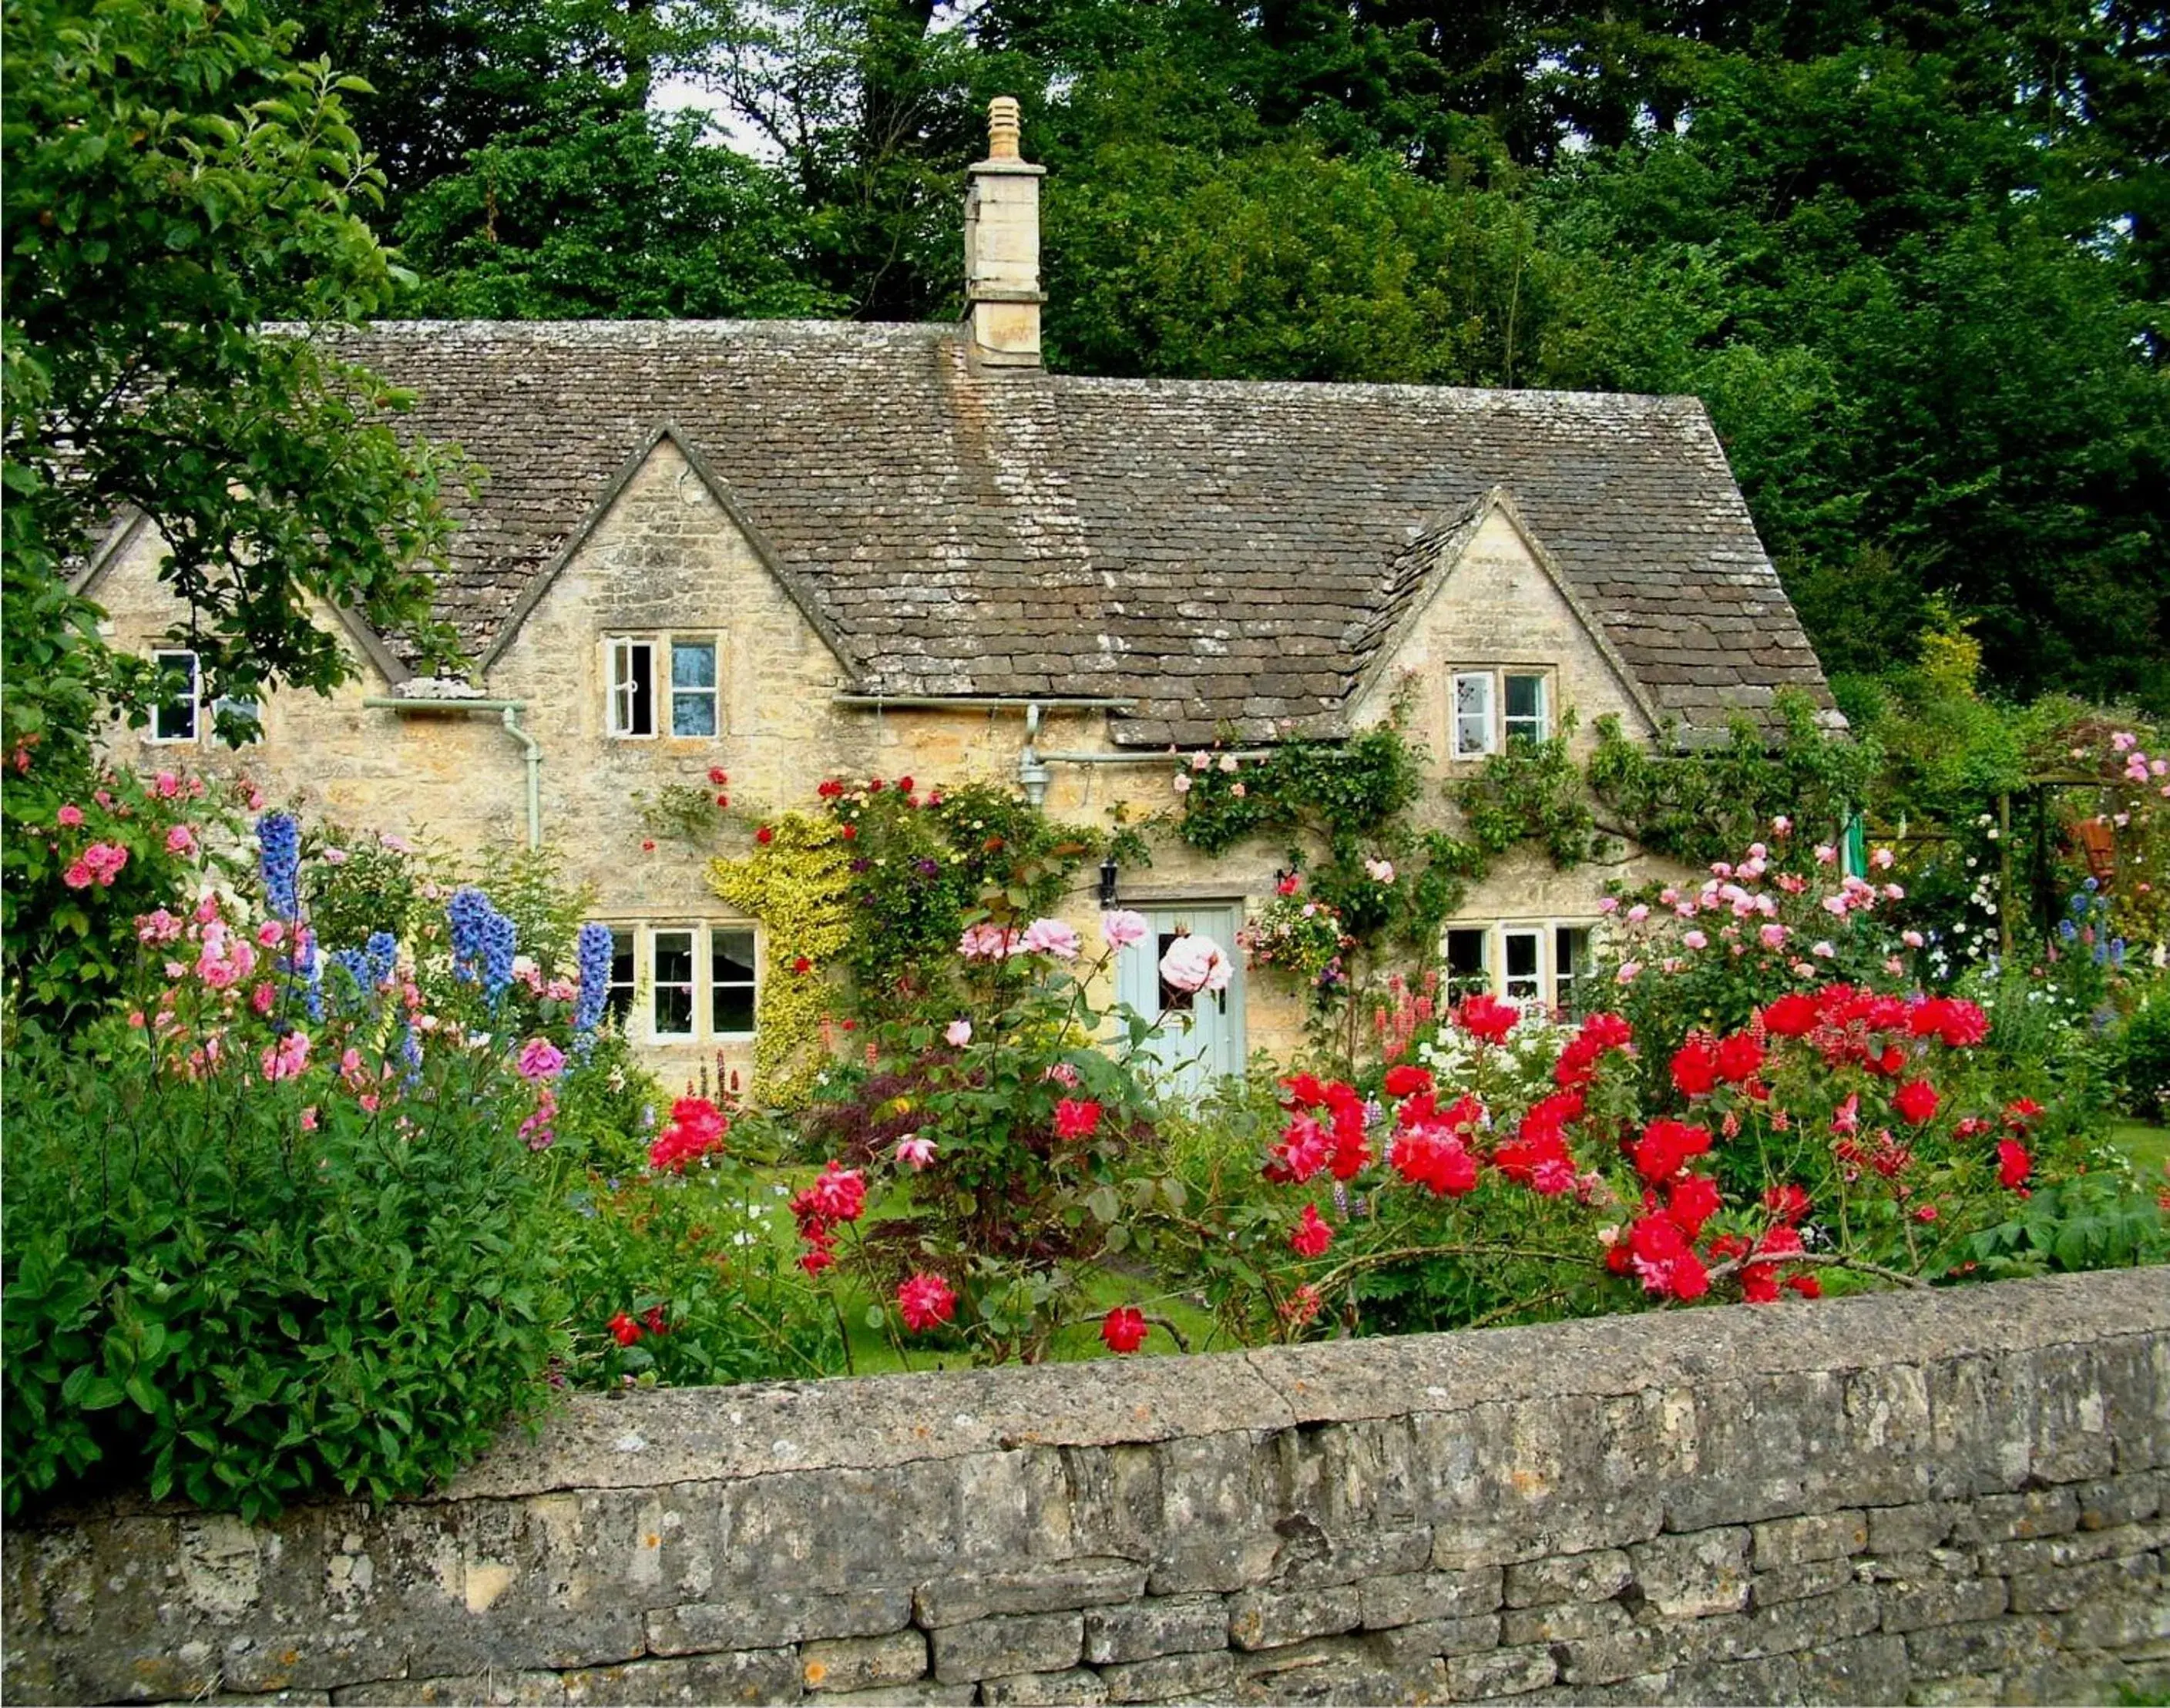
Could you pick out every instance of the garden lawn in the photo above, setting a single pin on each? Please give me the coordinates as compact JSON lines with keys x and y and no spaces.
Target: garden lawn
{"x":2149,"y":1147}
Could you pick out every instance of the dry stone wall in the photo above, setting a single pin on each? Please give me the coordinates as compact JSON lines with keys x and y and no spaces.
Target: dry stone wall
{"x":1946,"y":1497}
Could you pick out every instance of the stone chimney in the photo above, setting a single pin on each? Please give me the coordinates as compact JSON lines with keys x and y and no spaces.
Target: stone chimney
{"x":1001,"y":249}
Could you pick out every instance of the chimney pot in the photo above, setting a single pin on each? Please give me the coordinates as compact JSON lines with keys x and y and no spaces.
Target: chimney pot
{"x":1002,"y":128}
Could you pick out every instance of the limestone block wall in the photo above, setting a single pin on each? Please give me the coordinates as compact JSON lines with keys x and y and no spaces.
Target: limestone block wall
{"x":1955,"y":1496}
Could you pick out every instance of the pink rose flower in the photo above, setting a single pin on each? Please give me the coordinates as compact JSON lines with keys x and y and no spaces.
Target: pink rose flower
{"x":958,"y":1033}
{"x":1772,"y":935}
{"x":1121,"y":928}
{"x":77,"y":875}
{"x":1051,"y":936}
{"x":180,"y":840}
{"x":915,"y":1152}
{"x":1195,"y":963}
{"x":71,"y":815}
{"x":1695,"y":940}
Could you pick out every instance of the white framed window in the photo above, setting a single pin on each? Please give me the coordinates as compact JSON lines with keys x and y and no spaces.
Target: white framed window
{"x":632,"y":688}
{"x":1489,"y":709}
{"x":1571,"y":966}
{"x":685,"y":980}
{"x":177,"y":715}
{"x":663,"y":685}
{"x":1524,"y":713}
{"x":625,"y":944}
{"x":692,"y":688}
{"x":670,"y":1004}
{"x":1522,"y":965}
{"x":1472,"y":714}
{"x":1468,"y":962}
{"x":732,"y":982}
{"x":1539,"y":964}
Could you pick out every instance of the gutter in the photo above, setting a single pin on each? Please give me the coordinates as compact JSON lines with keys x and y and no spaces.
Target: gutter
{"x":509,"y":713}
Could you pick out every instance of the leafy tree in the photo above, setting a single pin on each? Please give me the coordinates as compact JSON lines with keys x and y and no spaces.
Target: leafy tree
{"x":172,"y":179}
{"x":629,"y":216}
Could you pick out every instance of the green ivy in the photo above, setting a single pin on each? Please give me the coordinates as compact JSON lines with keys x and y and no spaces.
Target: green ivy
{"x":1710,"y":804}
{"x":1533,"y":792}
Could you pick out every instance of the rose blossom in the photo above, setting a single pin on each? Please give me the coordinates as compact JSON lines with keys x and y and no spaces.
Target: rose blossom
{"x":71,"y":815}
{"x":958,"y":1033}
{"x":914,"y":1151}
{"x":1051,"y":936}
{"x":1196,"y":962}
{"x":1121,"y":928}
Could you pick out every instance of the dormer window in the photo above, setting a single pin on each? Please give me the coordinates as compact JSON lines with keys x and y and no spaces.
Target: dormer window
{"x":643,"y":697}
{"x":1491,"y":709}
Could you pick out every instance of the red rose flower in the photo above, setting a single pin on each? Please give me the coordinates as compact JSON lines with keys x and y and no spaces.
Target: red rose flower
{"x":1759,"y":1283}
{"x":1406,"y":1081}
{"x":723,"y":800}
{"x":1739,"y":1056}
{"x":719,"y":775}
{"x":1692,"y":1200}
{"x":1123,"y":1330}
{"x":1792,"y":1015}
{"x":1311,"y":1236}
{"x":1487,"y":1018}
{"x":1665,"y":1147}
{"x":1916,"y":1100}
{"x":1305,"y":1090}
{"x":1695,"y":1068}
{"x":764,"y":835}
{"x":924,"y":1302}
{"x":904,"y":785}
{"x":654,"y":1319}
{"x":1789,"y":1202}
{"x":1077,"y":1118}
{"x":2022,"y":1110}
{"x":1806,"y":1285}
{"x":623,"y":1329}
{"x":2013,"y":1164}
{"x":851,"y":833}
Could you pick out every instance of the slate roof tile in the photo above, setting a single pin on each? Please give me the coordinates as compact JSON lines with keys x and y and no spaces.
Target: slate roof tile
{"x":1254,"y":542}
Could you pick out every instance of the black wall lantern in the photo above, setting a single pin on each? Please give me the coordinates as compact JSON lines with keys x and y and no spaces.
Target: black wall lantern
{"x":1108,"y":881}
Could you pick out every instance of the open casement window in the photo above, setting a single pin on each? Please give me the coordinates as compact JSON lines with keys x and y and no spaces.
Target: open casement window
{"x":624,"y":947}
{"x":1472,"y":714}
{"x":1468,"y":972}
{"x":1544,"y":966}
{"x":178,"y":714}
{"x":632,"y":688}
{"x":731,"y":982}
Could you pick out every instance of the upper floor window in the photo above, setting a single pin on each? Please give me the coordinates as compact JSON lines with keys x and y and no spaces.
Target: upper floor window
{"x":663,"y":682}
{"x":179,"y":709}
{"x":180,"y":714}
{"x":1491,"y":709}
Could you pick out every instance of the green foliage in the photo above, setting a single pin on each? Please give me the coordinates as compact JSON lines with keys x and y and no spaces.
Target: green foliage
{"x":693,"y":1267}
{"x":1533,"y":792}
{"x":2091,"y":1221}
{"x":71,"y":937}
{"x":527,"y":885}
{"x":631,"y":216}
{"x":1712,"y":803}
{"x":173,"y":179}
{"x":2142,"y":1048}
{"x":380,"y":885}
{"x":249,"y":1312}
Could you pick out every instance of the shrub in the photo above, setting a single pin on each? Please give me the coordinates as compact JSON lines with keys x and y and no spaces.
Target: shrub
{"x":2143,"y":1055}
{"x":682,"y":1278}
{"x":253,"y":1292}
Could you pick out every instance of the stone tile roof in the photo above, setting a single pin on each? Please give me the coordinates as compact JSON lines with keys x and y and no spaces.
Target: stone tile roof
{"x":1214,"y":552}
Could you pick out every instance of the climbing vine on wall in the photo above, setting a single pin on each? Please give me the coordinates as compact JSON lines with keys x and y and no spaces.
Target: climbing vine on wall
{"x":798,"y":882}
{"x":1710,"y":803}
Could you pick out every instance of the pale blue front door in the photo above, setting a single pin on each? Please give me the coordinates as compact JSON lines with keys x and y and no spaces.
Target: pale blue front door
{"x":1201,"y":1038}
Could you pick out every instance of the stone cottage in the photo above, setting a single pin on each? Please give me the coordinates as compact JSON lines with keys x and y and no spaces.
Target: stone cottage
{"x":798,"y":549}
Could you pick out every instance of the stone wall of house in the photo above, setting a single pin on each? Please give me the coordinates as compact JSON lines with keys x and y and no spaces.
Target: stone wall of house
{"x":666,"y":555}
{"x":1956,"y":1496}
